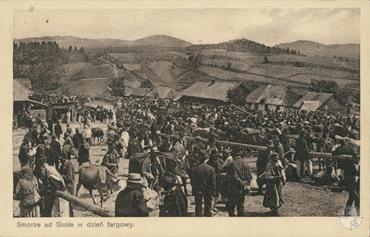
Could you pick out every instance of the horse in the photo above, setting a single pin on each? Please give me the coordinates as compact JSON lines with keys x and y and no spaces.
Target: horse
{"x":97,"y":133}
{"x":97,"y":177}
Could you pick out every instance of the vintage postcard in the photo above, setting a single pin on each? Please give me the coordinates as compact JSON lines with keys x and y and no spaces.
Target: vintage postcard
{"x":168,"y":118}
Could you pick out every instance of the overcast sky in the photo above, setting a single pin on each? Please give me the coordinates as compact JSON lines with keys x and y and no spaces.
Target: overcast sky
{"x":271,"y":26}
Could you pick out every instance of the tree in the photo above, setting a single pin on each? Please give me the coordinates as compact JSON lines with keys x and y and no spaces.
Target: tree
{"x":228,"y":66}
{"x":324,"y":86}
{"x":237,"y":95}
{"x":118,"y":87}
{"x":40,"y":62}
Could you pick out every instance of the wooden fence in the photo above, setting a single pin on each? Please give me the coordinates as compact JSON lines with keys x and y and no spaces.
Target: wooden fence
{"x":107,"y":213}
{"x":81,"y":203}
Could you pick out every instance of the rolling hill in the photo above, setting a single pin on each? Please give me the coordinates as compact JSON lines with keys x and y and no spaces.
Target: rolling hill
{"x":154,"y":40}
{"x":165,"y":61}
{"x":311,"y":48}
{"x":162,"y":40}
{"x":237,"y":45}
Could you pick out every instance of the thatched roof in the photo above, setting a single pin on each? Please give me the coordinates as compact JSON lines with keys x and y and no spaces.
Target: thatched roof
{"x":95,"y":87}
{"x":209,"y":90}
{"x":312,"y":101}
{"x":128,"y":91}
{"x":272,"y":95}
{"x":158,"y":92}
{"x":165,"y":92}
{"x":141,"y":92}
{"x":21,"y":89}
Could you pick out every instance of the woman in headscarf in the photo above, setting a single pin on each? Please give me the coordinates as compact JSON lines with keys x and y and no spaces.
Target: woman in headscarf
{"x":87,"y":133}
{"x":274,"y":177}
{"x":51,"y":182}
{"x":27,"y":193}
{"x":175,"y":202}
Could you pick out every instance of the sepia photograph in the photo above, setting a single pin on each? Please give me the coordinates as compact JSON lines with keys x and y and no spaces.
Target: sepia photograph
{"x":204,"y":112}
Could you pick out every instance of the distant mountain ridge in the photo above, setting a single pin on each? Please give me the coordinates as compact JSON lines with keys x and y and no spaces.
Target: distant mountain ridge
{"x":238,"y":45}
{"x":155,"y":40}
{"x":309,"y":48}
{"x":312,"y":48}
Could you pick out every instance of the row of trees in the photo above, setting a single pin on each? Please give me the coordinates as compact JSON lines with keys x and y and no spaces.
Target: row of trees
{"x":344,"y":95}
{"x":293,"y":51}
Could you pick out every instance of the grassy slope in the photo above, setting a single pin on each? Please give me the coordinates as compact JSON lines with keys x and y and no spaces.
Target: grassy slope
{"x":162,"y":69}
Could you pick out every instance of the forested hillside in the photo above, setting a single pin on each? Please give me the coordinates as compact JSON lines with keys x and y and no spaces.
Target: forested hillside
{"x":41,"y":62}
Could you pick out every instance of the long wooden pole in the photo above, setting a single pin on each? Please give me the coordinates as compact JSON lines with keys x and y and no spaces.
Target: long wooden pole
{"x":257,"y":147}
{"x":77,"y":201}
{"x":242,"y":110}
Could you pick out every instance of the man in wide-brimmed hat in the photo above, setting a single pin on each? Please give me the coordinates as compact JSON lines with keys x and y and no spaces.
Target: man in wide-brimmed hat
{"x":111,"y":159}
{"x":203,"y":182}
{"x":278,"y":148}
{"x":153,"y":166}
{"x":130,"y":202}
{"x":216,"y":162}
{"x":302,"y":154}
{"x":242,"y":177}
{"x":274,"y":177}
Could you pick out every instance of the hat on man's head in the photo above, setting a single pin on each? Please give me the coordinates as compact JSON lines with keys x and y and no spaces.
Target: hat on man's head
{"x":274,"y":156}
{"x":228,"y":150}
{"x":238,"y":150}
{"x":134,"y":178}
{"x":155,"y":149}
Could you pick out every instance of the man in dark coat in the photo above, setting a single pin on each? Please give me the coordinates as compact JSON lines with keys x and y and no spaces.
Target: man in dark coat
{"x":77,"y":139}
{"x":130,"y":202}
{"x":203,"y":182}
{"x":67,"y":171}
{"x":262,"y":160}
{"x":55,"y":152}
{"x":43,"y":153}
{"x":302,"y":154}
{"x":278,"y":148}
{"x":68,"y":131}
{"x":23,"y":152}
{"x":58,"y":130}
{"x":133,"y":146}
{"x":352,"y":181}
{"x":111,"y":159}
{"x":84,"y":153}
{"x":242,"y":177}
{"x":216,"y":163}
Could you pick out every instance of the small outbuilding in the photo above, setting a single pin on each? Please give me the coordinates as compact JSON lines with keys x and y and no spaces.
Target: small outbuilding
{"x":208,"y":91}
{"x":313,"y":101}
{"x":275,"y":97}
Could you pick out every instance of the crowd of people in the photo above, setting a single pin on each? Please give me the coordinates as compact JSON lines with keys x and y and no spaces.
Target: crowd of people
{"x":58,"y":99}
{"x":169,"y":143}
